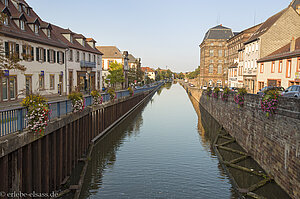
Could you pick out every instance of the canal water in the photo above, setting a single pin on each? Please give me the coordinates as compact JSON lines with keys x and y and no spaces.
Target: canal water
{"x":162,"y":150}
{"x":157,"y":152}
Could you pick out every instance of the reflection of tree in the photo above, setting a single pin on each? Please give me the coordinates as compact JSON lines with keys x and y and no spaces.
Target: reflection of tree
{"x":104,"y":152}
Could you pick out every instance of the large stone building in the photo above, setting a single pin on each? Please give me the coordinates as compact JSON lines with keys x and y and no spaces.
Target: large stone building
{"x":273,"y":34}
{"x":235,"y":60}
{"x":213,"y":63}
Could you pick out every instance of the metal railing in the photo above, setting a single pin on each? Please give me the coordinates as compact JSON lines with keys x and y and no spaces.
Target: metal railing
{"x":13,"y":120}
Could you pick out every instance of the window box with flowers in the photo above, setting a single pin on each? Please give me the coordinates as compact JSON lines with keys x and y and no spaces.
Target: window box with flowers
{"x":131,"y":91}
{"x":37,"y":113}
{"x":269,"y":101}
{"x":225,"y":94}
{"x":112,"y":94}
{"x":239,"y":98}
{"x":208,"y":92}
{"x":77,"y":101}
{"x":215,"y":93}
{"x":97,"y":97}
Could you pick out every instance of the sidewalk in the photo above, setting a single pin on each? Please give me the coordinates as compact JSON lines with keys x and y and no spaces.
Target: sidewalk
{"x":16,"y":103}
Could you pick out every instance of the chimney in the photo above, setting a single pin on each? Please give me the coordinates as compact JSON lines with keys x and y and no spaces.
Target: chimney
{"x":293,"y":45}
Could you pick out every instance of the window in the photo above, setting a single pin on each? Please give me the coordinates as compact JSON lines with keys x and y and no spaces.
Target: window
{"x":280,"y":67}
{"x":36,"y":29}
{"x":71,"y":55}
{"x":256,"y":47}
{"x":52,"y":82}
{"x":261,"y":68}
{"x":6,"y":2}
{"x":22,"y":25}
{"x":40,"y":54}
{"x":41,"y":81}
{"x":20,"y":8}
{"x":5,"y":22}
{"x":27,"y":52}
{"x":94,"y":60}
{"x":4,"y":88}
{"x":77,"y":56}
{"x":48,"y":33}
{"x":288,"y":68}
{"x":28,"y":11}
{"x":83,"y":56}
{"x":219,"y":69}
{"x":211,"y":44}
{"x":261,"y":85}
{"x":98,"y":59}
{"x":71,"y":38}
{"x":89,"y":57}
{"x":211,"y":53}
{"x":11,"y":49}
{"x":220,"y":53}
{"x":273,"y":67}
{"x":211,"y":68}
{"x":51,"y":56}
{"x":298,"y":65}
{"x":211,"y":61}
{"x":60,"y":57}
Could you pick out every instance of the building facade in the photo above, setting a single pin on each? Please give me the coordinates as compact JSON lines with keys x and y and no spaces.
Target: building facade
{"x":24,"y":34}
{"x":281,"y":68}
{"x":235,"y":59}
{"x":83,"y":61}
{"x":213,"y":62}
{"x":273,"y":34}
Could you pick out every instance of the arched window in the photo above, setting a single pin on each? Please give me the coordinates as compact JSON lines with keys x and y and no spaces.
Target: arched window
{"x":211,"y":68}
{"x":219,"y":69}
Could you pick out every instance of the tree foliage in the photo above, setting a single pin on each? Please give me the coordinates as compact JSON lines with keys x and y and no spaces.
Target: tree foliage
{"x":8,"y":60}
{"x":116,"y":74}
{"x":194,"y":74}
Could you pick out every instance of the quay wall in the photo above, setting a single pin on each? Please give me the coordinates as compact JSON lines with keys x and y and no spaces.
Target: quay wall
{"x":274,"y":142}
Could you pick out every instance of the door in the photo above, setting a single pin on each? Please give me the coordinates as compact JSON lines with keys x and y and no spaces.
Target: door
{"x":70,"y":81}
{"x":28,"y":85}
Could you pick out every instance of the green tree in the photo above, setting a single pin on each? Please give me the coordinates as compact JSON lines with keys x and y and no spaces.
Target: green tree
{"x":116,"y":74}
{"x":8,"y":60}
{"x":181,"y":76}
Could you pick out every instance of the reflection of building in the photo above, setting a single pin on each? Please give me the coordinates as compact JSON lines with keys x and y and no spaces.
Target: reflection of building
{"x":213,"y":63}
{"x":149,"y":72}
{"x":25,"y":35}
{"x":83,"y":65}
{"x":235,"y":56}
{"x":273,"y":34}
{"x":280,"y":68}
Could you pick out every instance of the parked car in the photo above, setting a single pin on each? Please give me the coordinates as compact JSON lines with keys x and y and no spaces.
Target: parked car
{"x":292,"y":91}
{"x":234,"y":89}
{"x":264,"y":89}
{"x":204,"y":87}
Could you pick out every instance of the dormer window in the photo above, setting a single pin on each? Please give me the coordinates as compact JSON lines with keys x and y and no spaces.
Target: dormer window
{"x":28,"y":11}
{"x":5,"y":21}
{"x":71,"y":38}
{"x":83,"y":43}
{"x":20,"y":8}
{"x":22,"y":25}
{"x":36,"y":29}
{"x":48,"y":33}
{"x":6,"y":2}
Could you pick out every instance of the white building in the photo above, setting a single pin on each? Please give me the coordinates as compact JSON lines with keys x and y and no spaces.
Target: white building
{"x":25,"y":34}
{"x":83,"y":61}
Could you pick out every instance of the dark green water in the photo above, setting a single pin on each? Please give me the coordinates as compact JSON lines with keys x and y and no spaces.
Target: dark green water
{"x":162,"y":150}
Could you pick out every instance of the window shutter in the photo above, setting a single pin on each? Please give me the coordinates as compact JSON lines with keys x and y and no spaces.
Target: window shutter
{"x":18,"y":50}
{"x":63,"y":58}
{"x":37,"y":54}
{"x":44,"y":55}
{"x":57,"y":57}
{"x":6,"y":49}
{"x":24,"y":51}
{"x":54,"y":56}
{"x":48,"y":55}
{"x":32,"y":53}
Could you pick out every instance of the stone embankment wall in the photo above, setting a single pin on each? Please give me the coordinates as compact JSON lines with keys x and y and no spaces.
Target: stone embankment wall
{"x":274,"y":142}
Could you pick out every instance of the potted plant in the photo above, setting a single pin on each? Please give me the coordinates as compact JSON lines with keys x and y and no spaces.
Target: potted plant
{"x":225,"y":94}
{"x":97,"y":97}
{"x":131,"y":91}
{"x":215,"y":92}
{"x":37,"y":113}
{"x":239,"y":98}
{"x":269,"y":101}
{"x":112,"y":93}
{"x":208,"y":92}
{"x":77,"y":101}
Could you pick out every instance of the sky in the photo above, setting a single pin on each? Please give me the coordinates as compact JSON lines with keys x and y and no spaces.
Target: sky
{"x":163,"y":33}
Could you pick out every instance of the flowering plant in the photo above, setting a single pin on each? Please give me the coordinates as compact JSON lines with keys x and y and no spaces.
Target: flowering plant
{"x":112,"y":93}
{"x":97,"y":97}
{"x":131,"y":91}
{"x":37,"y":114}
{"x":208,"y":92}
{"x":77,"y":101}
{"x":225,"y":94}
{"x":239,"y":98}
{"x":215,"y":92}
{"x":269,"y":101}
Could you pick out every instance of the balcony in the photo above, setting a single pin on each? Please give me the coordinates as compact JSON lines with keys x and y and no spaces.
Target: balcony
{"x":87,"y":64}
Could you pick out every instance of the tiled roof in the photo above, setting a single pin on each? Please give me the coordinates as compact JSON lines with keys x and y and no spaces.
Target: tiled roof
{"x":58,"y":31}
{"x":218,"y":32}
{"x":147,"y":69}
{"x":90,"y":40}
{"x":283,"y":52}
{"x":12,"y":30}
{"x":110,"y":52}
{"x":265,"y":26}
